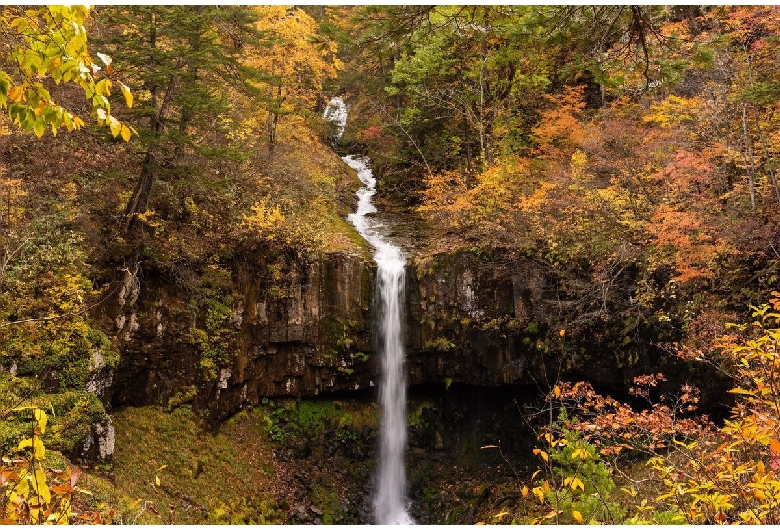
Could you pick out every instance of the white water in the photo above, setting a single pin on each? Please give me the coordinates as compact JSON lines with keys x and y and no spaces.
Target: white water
{"x":390,"y":502}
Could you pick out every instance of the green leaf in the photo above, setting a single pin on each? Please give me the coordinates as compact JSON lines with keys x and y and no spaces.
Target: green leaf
{"x":39,"y":127}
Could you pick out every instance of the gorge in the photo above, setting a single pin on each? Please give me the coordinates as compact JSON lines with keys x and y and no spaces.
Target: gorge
{"x":525,"y":282}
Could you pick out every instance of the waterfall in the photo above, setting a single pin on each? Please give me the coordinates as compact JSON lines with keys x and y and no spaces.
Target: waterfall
{"x":390,"y":501}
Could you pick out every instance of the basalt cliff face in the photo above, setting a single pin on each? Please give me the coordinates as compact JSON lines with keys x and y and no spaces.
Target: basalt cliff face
{"x":471,"y":319}
{"x":303,"y":332}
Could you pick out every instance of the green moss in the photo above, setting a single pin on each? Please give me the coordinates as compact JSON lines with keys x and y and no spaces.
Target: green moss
{"x":220,"y":472}
{"x":439,"y":344}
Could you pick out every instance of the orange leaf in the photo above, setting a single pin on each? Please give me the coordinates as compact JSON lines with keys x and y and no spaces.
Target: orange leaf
{"x":774,"y":455}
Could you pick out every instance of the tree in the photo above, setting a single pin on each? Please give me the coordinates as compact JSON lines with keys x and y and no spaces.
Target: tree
{"x":294,"y":60}
{"x":49,"y":45}
{"x":185,"y":60}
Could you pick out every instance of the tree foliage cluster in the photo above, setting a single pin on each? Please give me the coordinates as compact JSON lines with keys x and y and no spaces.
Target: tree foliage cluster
{"x":632,"y":149}
{"x":185,"y":124}
{"x":695,"y":471}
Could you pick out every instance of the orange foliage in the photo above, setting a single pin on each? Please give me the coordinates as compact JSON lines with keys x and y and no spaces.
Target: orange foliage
{"x":559,"y":131}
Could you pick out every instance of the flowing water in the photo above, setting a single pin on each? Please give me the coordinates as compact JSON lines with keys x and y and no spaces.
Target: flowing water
{"x":390,"y":502}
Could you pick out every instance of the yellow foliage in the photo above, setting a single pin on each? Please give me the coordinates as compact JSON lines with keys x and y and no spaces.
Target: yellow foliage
{"x":265,"y":220}
{"x":298,"y":62}
{"x":673,"y":111}
{"x":31,"y":494}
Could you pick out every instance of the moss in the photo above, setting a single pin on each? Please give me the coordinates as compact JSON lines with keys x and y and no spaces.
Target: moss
{"x":71,"y":414}
{"x":439,"y":344}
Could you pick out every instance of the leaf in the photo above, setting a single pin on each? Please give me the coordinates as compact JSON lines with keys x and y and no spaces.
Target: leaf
{"x":41,"y":418}
{"x":103,"y":87}
{"x":126,"y":133}
{"x":774,"y":454}
{"x":41,"y":487}
{"x":39,"y":450}
{"x":105,"y":58}
{"x":115,"y":126}
{"x":156,"y":480}
{"x":39,"y":127}
{"x":577,"y":516}
{"x":16,"y":94}
{"x":539,"y":492}
{"x":128,"y":95}
{"x":542,"y":454}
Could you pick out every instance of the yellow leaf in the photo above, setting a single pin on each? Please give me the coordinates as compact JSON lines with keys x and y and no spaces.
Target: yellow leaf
{"x":128,"y":95}
{"x":557,"y":389}
{"x":156,"y":480}
{"x":577,"y":516}
{"x":542,"y":454}
{"x":41,"y":418}
{"x":539,"y":493}
{"x":525,"y":491}
{"x":577,"y":483}
{"x":16,"y":94}
{"x":41,"y":487}
{"x":126,"y":133}
{"x":39,"y":451}
{"x":115,"y":126}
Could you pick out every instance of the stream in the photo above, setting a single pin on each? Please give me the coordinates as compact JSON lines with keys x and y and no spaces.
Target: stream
{"x":390,"y":503}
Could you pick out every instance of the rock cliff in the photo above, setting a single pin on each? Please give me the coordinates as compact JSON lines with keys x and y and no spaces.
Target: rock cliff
{"x":258,"y":331}
{"x":304,"y":330}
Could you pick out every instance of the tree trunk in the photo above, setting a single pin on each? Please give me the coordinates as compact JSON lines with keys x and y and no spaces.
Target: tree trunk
{"x":749,"y":157}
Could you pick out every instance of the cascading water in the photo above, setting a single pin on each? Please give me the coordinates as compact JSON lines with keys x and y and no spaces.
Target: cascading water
{"x":390,"y":501}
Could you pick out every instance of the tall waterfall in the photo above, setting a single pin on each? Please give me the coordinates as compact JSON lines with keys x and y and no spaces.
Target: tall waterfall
{"x":390,"y":501}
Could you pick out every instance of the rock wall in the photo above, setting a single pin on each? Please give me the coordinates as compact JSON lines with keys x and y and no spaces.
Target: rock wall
{"x":301,"y":331}
{"x":472,"y":318}
{"x":495,"y":318}
{"x":468,"y":317}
